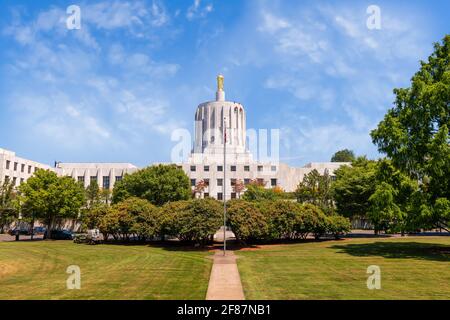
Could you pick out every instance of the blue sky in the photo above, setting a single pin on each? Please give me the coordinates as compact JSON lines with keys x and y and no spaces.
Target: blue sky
{"x":114,"y":90}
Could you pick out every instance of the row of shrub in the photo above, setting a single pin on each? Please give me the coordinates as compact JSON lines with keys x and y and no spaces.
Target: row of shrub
{"x":198,"y":220}
{"x":282,"y":220}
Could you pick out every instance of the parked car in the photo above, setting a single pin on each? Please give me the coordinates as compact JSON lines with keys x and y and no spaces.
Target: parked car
{"x":39,"y":230}
{"x":20,"y":231}
{"x":61,"y":235}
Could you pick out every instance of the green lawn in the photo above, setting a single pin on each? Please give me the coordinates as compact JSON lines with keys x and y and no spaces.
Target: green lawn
{"x":37,"y":270}
{"x":411,"y":268}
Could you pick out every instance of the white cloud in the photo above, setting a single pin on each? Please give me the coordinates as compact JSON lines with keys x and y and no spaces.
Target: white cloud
{"x":197,"y":11}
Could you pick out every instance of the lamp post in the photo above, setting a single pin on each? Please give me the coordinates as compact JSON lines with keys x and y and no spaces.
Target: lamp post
{"x":224,"y":185}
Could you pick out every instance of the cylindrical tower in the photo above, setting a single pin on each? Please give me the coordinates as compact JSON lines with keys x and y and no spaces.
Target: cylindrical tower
{"x":209,"y":124}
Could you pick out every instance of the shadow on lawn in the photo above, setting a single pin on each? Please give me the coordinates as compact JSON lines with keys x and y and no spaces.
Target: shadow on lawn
{"x":403,"y":250}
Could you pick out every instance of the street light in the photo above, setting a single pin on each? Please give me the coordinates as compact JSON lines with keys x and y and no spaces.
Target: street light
{"x":224,"y":185}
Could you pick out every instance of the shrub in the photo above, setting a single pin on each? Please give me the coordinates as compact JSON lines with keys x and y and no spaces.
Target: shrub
{"x":246,"y":220}
{"x":195,"y":220}
{"x":337,"y":225}
{"x":314,"y":220}
{"x":283,"y":218}
{"x":132,"y":216}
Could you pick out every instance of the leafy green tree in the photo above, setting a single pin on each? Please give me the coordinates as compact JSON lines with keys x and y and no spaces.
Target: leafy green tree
{"x":47,"y":197}
{"x":391,"y":201}
{"x":93,"y":195}
{"x":345,"y":155}
{"x":316,"y":189}
{"x":8,"y":211}
{"x":158,"y":184}
{"x":353,"y":187}
{"x":415,"y":132}
{"x":246,"y":220}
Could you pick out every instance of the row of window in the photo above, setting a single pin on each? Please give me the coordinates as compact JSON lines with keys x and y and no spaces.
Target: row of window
{"x":219,"y":182}
{"x":14,"y":180}
{"x":234,"y":168}
{"x":106,"y":180}
{"x":220,"y":195}
{"x":22,"y":167}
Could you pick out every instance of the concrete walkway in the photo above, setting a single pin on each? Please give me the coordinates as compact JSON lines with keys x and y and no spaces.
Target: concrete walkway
{"x":225,"y":282}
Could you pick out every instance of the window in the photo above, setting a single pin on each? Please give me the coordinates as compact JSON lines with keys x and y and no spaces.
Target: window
{"x":6,"y":178}
{"x":35,"y":169}
{"x":247,"y":168}
{"x":219,"y":168}
{"x":206,"y":168}
{"x":8,"y":163}
{"x":246,"y":181}
{"x":14,"y":181}
{"x":106,"y":181}
{"x":273,"y":168}
{"x":261,"y":182}
{"x":93,"y":178}
{"x":118,"y":178}
{"x":206,"y":182}
{"x":273,"y":182}
{"x":22,"y":168}
{"x":22,"y":180}
{"x":206,"y":195}
{"x":80,"y":179}
{"x":193,"y":168}
{"x":29,"y":169}
{"x":15,"y":166}
{"x":260,"y":168}
{"x":233,"y":182}
{"x":233,"y":195}
{"x":193,"y":182}
{"x":233,"y":168}
{"x":219,"y":182}
{"x":220,"y":196}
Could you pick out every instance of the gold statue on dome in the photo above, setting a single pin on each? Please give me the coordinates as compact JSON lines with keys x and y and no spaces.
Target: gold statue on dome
{"x":220,"y":82}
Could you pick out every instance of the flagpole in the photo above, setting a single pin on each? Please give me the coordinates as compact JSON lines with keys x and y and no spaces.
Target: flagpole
{"x":224,"y":185}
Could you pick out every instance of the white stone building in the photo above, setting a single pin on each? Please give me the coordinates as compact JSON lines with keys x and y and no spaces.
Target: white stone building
{"x":206,"y":162}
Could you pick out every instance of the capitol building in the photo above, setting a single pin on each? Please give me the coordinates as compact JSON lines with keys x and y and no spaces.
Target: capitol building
{"x":219,"y":149}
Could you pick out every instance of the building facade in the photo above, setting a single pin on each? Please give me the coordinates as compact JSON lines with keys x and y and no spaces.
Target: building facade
{"x":220,"y":145}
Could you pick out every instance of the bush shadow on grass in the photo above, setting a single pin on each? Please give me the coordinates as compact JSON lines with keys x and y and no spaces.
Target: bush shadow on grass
{"x":397,"y":250}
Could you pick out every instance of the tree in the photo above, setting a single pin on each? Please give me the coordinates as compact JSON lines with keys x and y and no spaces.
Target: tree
{"x":345,"y":155}
{"x":316,"y":189}
{"x":158,"y":184}
{"x":390,"y":202}
{"x":353,"y":187}
{"x":238,"y":187}
{"x":8,"y":211}
{"x":415,"y":134}
{"x":246,"y":221}
{"x":200,"y":188}
{"x":47,"y":197}
{"x":93,"y":195}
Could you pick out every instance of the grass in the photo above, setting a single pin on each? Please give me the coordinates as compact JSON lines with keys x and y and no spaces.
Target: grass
{"x":37,"y":270}
{"x":411,"y":268}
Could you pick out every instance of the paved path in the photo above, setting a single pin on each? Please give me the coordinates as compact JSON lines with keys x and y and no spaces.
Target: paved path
{"x":225,"y":282}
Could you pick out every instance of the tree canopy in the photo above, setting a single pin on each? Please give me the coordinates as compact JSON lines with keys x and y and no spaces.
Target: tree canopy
{"x":345,"y":155}
{"x":158,"y":184}
{"x":415,"y":134}
{"x":47,"y":197}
